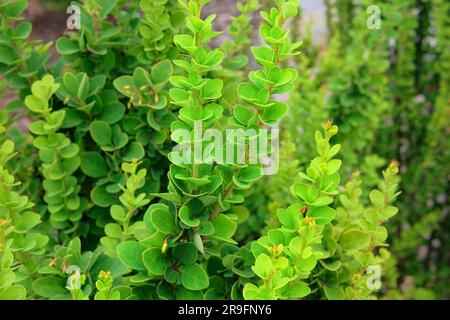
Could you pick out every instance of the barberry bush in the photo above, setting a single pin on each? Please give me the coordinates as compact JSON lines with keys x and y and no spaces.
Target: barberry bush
{"x":104,"y":195}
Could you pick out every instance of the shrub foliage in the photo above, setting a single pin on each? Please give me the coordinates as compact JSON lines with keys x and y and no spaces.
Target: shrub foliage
{"x":96,"y":204}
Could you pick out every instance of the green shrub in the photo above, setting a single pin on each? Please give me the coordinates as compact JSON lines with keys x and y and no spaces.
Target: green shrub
{"x":106,"y":208}
{"x":21,"y":243}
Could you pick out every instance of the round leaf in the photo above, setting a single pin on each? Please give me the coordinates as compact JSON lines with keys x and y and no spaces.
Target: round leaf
{"x":93,"y":165}
{"x":130,"y":253}
{"x":194,"y":277}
